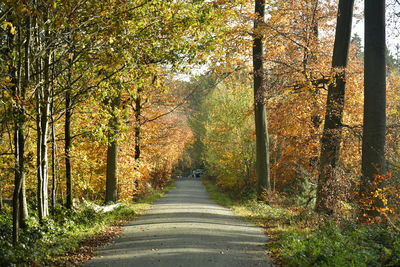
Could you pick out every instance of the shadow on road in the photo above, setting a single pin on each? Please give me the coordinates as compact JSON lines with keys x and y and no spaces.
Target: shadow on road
{"x":185,"y":228}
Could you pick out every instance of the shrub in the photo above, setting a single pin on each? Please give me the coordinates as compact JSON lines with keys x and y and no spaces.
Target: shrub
{"x":332,"y":245}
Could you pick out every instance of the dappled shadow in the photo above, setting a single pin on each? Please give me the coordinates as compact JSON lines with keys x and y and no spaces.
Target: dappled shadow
{"x":186,"y":229}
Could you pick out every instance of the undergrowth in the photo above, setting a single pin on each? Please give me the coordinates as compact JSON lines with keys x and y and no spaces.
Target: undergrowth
{"x":42,"y":244}
{"x":300,"y":237}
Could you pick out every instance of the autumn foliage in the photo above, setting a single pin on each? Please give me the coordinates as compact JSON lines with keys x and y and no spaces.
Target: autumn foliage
{"x":133,"y":94}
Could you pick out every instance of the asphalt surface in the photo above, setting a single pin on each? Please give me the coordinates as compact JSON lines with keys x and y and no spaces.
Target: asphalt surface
{"x":186,"y":229}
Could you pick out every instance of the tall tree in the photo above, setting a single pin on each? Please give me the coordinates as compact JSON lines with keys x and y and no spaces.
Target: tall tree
{"x":54,"y":161}
{"x":43,"y":108}
{"x":22,"y":120}
{"x":332,"y":133}
{"x":19,"y":74}
{"x":262,"y":144}
{"x":67,"y":136}
{"x":374,"y":128}
{"x":14,"y":72}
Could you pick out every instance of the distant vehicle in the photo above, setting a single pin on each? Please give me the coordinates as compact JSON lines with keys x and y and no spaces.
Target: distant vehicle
{"x":197,"y":173}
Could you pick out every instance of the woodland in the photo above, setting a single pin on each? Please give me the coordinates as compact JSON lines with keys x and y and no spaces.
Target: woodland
{"x":292,"y":113}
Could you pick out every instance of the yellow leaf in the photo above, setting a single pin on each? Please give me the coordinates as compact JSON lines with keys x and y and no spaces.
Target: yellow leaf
{"x":23,"y":9}
{"x":6,"y":24}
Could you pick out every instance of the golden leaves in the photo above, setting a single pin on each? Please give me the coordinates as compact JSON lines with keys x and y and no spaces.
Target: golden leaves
{"x":8,"y":25}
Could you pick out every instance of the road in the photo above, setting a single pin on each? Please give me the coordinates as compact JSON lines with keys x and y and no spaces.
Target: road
{"x":186,"y":229}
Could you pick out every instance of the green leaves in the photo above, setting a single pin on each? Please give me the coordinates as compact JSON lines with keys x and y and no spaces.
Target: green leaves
{"x":332,"y":245}
{"x":224,"y":128}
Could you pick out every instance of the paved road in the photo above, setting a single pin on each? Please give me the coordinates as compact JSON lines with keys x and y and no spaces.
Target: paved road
{"x":186,"y":229}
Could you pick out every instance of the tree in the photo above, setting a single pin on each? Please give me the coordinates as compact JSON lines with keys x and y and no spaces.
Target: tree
{"x":160,"y":41}
{"x":332,"y":133}
{"x":14,"y":69}
{"x":112,"y":151}
{"x":224,"y":128}
{"x":17,"y":52}
{"x":43,"y":96}
{"x":374,"y":127}
{"x":262,"y":144}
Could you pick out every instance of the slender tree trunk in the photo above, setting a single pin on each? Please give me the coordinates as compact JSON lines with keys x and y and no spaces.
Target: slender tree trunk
{"x":332,"y":133}
{"x":39,"y":154}
{"x":23,"y":207}
{"x":137,"y":142}
{"x":45,"y":114}
{"x":15,"y":75}
{"x":43,"y":126}
{"x":53,"y":158}
{"x":262,"y":144}
{"x":23,"y":203}
{"x":38,"y":96}
{"x":138,"y":113}
{"x":19,"y":132}
{"x":374,"y":128}
{"x":44,"y":136}
{"x":112,"y":155}
{"x":67,"y":148}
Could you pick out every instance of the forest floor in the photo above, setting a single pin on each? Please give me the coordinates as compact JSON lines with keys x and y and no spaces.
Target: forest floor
{"x":185,"y":228}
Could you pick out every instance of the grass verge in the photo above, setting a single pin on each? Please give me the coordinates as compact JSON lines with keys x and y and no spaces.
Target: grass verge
{"x":67,"y":238}
{"x":300,"y":237}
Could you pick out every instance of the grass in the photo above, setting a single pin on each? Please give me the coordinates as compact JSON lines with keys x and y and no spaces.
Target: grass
{"x":64,"y":233}
{"x":300,"y":237}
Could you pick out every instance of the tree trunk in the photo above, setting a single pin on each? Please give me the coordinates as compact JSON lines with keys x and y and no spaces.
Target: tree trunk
{"x":38,"y":92}
{"x":53,"y":157}
{"x":112,"y":155}
{"x":23,"y":203}
{"x":374,"y":128}
{"x":43,"y":125}
{"x":262,"y":145}
{"x":138,"y":110}
{"x":39,"y":152}
{"x":54,"y":160}
{"x":112,"y":179}
{"x":15,"y":75}
{"x":23,"y":206}
{"x":332,"y":133}
{"x":67,"y":148}
{"x":44,"y":121}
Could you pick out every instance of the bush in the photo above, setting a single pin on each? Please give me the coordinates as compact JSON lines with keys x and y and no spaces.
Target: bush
{"x":41,"y":242}
{"x":332,"y":245}
{"x":301,"y":237}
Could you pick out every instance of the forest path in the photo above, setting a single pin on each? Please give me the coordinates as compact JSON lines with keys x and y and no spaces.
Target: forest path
{"x":186,"y":229}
